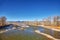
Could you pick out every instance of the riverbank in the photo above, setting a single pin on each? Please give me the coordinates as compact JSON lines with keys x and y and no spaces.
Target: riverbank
{"x":1,"y":27}
{"x":51,"y":27}
{"x":49,"y":36}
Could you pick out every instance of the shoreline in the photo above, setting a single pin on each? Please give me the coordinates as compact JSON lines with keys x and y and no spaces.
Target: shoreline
{"x":49,"y":36}
{"x":49,"y":27}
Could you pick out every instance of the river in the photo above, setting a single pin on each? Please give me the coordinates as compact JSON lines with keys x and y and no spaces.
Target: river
{"x":27,"y":34}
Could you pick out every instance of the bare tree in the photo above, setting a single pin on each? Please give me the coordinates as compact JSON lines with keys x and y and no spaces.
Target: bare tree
{"x":3,"y":20}
{"x":56,"y":20}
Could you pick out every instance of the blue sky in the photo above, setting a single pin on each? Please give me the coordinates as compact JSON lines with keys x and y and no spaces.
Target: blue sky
{"x":16,"y":10}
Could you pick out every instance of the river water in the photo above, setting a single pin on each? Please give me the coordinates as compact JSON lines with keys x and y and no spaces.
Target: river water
{"x":27,"y":34}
